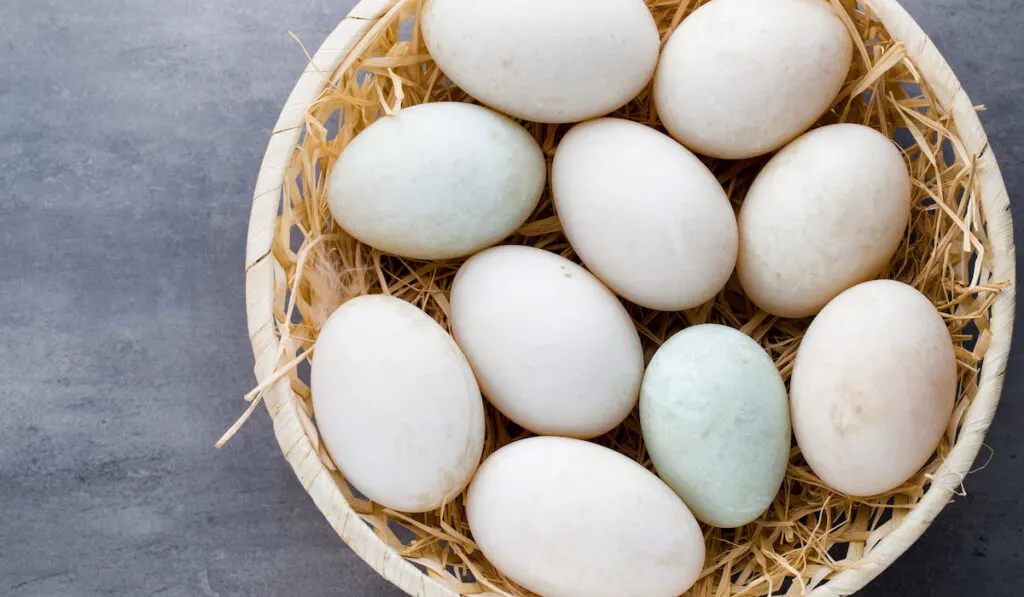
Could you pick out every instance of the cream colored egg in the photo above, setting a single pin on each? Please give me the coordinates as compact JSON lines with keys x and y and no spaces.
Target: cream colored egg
{"x":567,"y":518}
{"x":739,"y":78}
{"x":544,"y":60}
{"x":873,"y":387}
{"x":396,"y":404}
{"x":553,"y":349}
{"x":644,"y":214}
{"x":437,"y":181}
{"x":826,"y":213}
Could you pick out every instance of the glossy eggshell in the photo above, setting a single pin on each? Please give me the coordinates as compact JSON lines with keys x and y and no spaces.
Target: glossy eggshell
{"x":644,"y":214}
{"x":826,"y":213}
{"x":740,"y":78}
{"x":873,"y":387}
{"x":715,"y":420}
{"x":567,"y":518}
{"x":437,"y":181}
{"x":396,"y":404}
{"x":544,"y":60}
{"x":553,"y":349}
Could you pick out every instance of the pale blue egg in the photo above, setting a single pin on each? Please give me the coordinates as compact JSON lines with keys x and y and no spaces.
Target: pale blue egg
{"x":715,"y":419}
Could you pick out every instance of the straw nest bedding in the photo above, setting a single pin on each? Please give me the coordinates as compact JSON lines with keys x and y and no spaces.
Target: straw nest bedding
{"x":810,"y":532}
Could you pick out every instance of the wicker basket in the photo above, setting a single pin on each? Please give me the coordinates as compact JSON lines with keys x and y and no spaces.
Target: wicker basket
{"x":858,"y":539}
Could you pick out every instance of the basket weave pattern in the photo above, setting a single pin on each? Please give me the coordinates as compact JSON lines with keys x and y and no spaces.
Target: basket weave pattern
{"x":812,"y":541}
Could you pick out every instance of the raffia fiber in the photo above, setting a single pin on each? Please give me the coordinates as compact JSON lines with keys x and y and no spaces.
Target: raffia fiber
{"x":811,"y":534}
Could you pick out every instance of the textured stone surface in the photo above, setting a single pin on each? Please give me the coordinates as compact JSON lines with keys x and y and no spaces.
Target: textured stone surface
{"x":130,"y":137}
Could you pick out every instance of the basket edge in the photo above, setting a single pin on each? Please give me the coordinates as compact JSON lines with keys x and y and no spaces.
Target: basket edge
{"x":262,"y":272}
{"x":996,"y":205}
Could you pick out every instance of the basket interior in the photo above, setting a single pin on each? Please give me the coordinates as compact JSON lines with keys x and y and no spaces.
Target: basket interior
{"x":811,"y":532}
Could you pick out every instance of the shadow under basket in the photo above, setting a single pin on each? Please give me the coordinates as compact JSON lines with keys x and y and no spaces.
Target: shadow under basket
{"x":813,"y":540}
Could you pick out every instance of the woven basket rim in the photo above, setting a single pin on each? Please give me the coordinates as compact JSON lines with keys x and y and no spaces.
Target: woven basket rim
{"x":262,"y":272}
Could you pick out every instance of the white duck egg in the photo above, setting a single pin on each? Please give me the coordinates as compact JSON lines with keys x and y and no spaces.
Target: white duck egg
{"x":396,"y":404}
{"x":644,"y":214}
{"x":544,"y":60}
{"x":740,"y":78}
{"x":568,"y":518}
{"x":827,"y":212}
{"x":553,"y":349}
{"x":873,"y":387}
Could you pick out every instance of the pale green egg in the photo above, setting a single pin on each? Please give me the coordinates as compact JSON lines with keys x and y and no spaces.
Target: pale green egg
{"x":715,"y":419}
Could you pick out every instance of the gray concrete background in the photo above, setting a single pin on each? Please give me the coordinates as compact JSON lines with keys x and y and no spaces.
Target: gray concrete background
{"x":131,"y":132}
